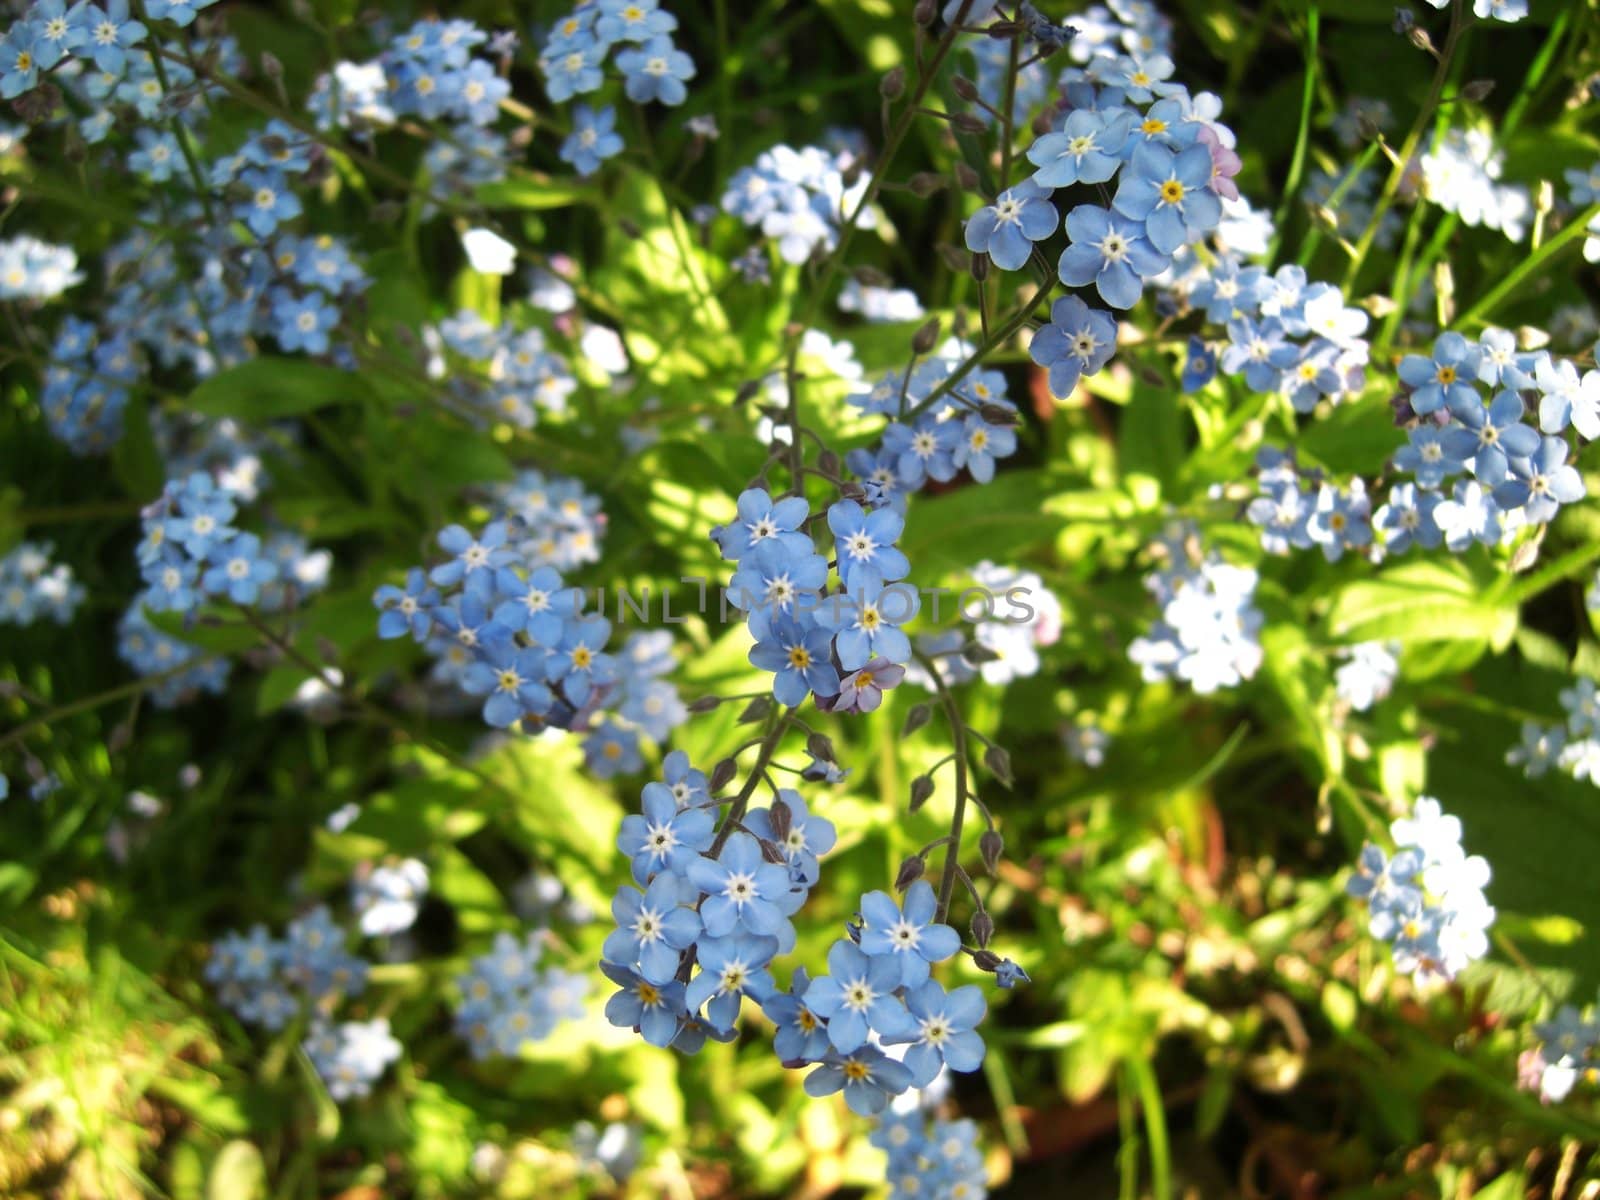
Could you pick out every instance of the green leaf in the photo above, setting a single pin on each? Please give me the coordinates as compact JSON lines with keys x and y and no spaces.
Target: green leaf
{"x":1421,"y":601}
{"x":238,"y":1174}
{"x":532,"y":191}
{"x":996,"y":521}
{"x":265,"y":389}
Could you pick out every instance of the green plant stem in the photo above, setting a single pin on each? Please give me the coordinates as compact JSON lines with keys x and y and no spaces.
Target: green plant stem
{"x":1155,"y":1127}
{"x":741,"y":802}
{"x":1535,"y":262}
{"x":1297,"y":164}
{"x":958,"y":735}
{"x":99,"y":700}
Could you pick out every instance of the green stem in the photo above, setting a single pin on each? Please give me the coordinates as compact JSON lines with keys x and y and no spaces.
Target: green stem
{"x":1535,"y":262}
{"x":958,"y":734}
{"x":1297,"y":164}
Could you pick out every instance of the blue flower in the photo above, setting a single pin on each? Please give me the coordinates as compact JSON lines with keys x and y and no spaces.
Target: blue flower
{"x":656,"y":71}
{"x":302,"y":323}
{"x":868,"y":1078}
{"x":654,"y":1010}
{"x":1314,"y":376}
{"x":111,"y":32}
{"x":802,"y":1036}
{"x":798,"y":650}
{"x":1339,"y":520}
{"x":19,"y":61}
{"x":1488,"y":436}
{"x":762,"y":519}
{"x":512,"y":677}
{"x":1170,"y":194}
{"x":1078,"y":341}
{"x":571,"y":68}
{"x":857,"y":996}
{"x":1407,"y":517}
{"x":922,"y":451}
{"x":664,"y":837}
{"x":203,"y":513}
{"x":1258,"y":348}
{"x":268,"y":201}
{"x":539,"y":605}
{"x":1008,"y":974}
{"x":1567,"y":400}
{"x":475,"y":559}
{"x":773,"y":576}
{"x":864,"y":539}
{"x":479,"y":91}
{"x":593,"y":138}
{"x":172,"y":586}
{"x":742,"y":889}
{"x":632,"y":20}
{"x":1542,"y":481}
{"x":612,"y":750}
{"x":1007,"y":229}
{"x":238,"y":569}
{"x":1229,"y":291}
{"x":980,"y":444}
{"x":1445,"y":378}
{"x":179,"y":12}
{"x":57,"y":30}
{"x":945,"y":1031}
{"x":907,"y":936}
{"x":653,"y":928}
{"x":1110,"y":251}
{"x":579,"y":660}
{"x":880,"y":476}
{"x":866,"y":619}
{"x":1086,"y":150}
{"x":1427,"y":457}
{"x":1199,"y":367}
{"x":682,"y":783}
{"x":730,"y":967}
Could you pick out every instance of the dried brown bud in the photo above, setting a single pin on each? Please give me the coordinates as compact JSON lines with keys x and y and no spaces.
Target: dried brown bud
{"x":997,"y":414}
{"x":982,"y":928}
{"x":916,"y":719}
{"x":893,"y":85}
{"x":969,"y":124}
{"x":1420,"y":39}
{"x":910,"y":871}
{"x":722,"y":774}
{"x":990,"y":847}
{"x":921,"y":789}
{"x":703,"y":704}
{"x":964,"y":88}
{"x":927,"y":337}
{"x":980,"y":267}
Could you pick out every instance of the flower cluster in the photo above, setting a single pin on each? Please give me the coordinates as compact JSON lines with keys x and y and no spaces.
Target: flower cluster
{"x":845,"y":646}
{"x":86,"y":386}
{"x":1207,"y":633}
{"x":1573,"y":747}
{"x":1367,"y":675}
{"x":1086,"y":741}
{"x":386,"y":898}
{"x":267,"y":981}
{"x":799,"y":198}
{"x":1569,"y":1051}
{"x":931,"y":1160}
{"x":512,"y":376}
{"x":573,"y":61}
{"x":32,"y":588}
{"x":35,"y":270}
{"x":350,"y":1056}
{"x":1427,"y":899}
{"x":507,"y":999}
{"x":1461,"y":172}
{"x":191,"y":549}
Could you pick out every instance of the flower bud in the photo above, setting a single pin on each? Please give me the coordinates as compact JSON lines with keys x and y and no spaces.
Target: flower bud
{"x":982,"y":928}
{"x":980,"y":267}
{"x":922,"y":14}
{"x":893,"y":85}
{"x":703,"y":704}
{"x":986,"y":960}
{"x":828,"y":464}
{"x":954,"y":257}
{"x":990,"y":846}
{"x":925,"y":183}
{"x":915,"y":719}
{"x":1477,"y":89}
{"x":756,"y":710}
{"x":966,"y":177}
{"x":964,"y":88}
{"x":999,"y":764}
{"x":722,"y":774}
{"x":747,"y":390}
{"x":910,"y":871}
{"x":997,"y":414}
{"x":782,"y":820}
{"x":926,"y":337}
{"x":969,"y":124}
{"x":271,"y":65}
{"x":921,"y":789}
{"x":819,"y":746}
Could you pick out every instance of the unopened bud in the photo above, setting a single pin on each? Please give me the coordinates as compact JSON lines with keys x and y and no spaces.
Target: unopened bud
{"x":1477,"y":89}
{"x":982,"y":928}
{"x":893,"y":85}
{"x":969,"y":124}
{"x":986,"y":960}
{"x":927,"y":337}
{"x":1366,"y":127}
{"x":954,"y":257}
{"x":747,"y":391}
{"x":980,"y":267}
{"x":756,"y":710}
{"x":916,"y":719}
{"x":782,"y":819}
{"x":921,"y":789}
{"x":910,"y":871}
{"x":629,"y":229}
{"x":820,"y":747}
{"x":121,"y":735}
{"x":722,"y":774}
{"x":977,"y":654}
{"x":922,"y":14}
{"x":966,"y":177}
{"x":328,"y":649}
{"x":1002,"y":30}
{"x":703,"y":704}
{"x":828,"y":464}
{"x":271,"y":65}
{"x":871,"y":277}
{"x":851,"y":490}
{"x":1524,"y":556}
{"x":1544,"y":198}
{"x":997,"y":414}
{"x":1420,"y":39}
{"x":990,"y":847}
{"x":964,"y":87}
{"x":999,"y":764}
{"x":925,"y":183}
